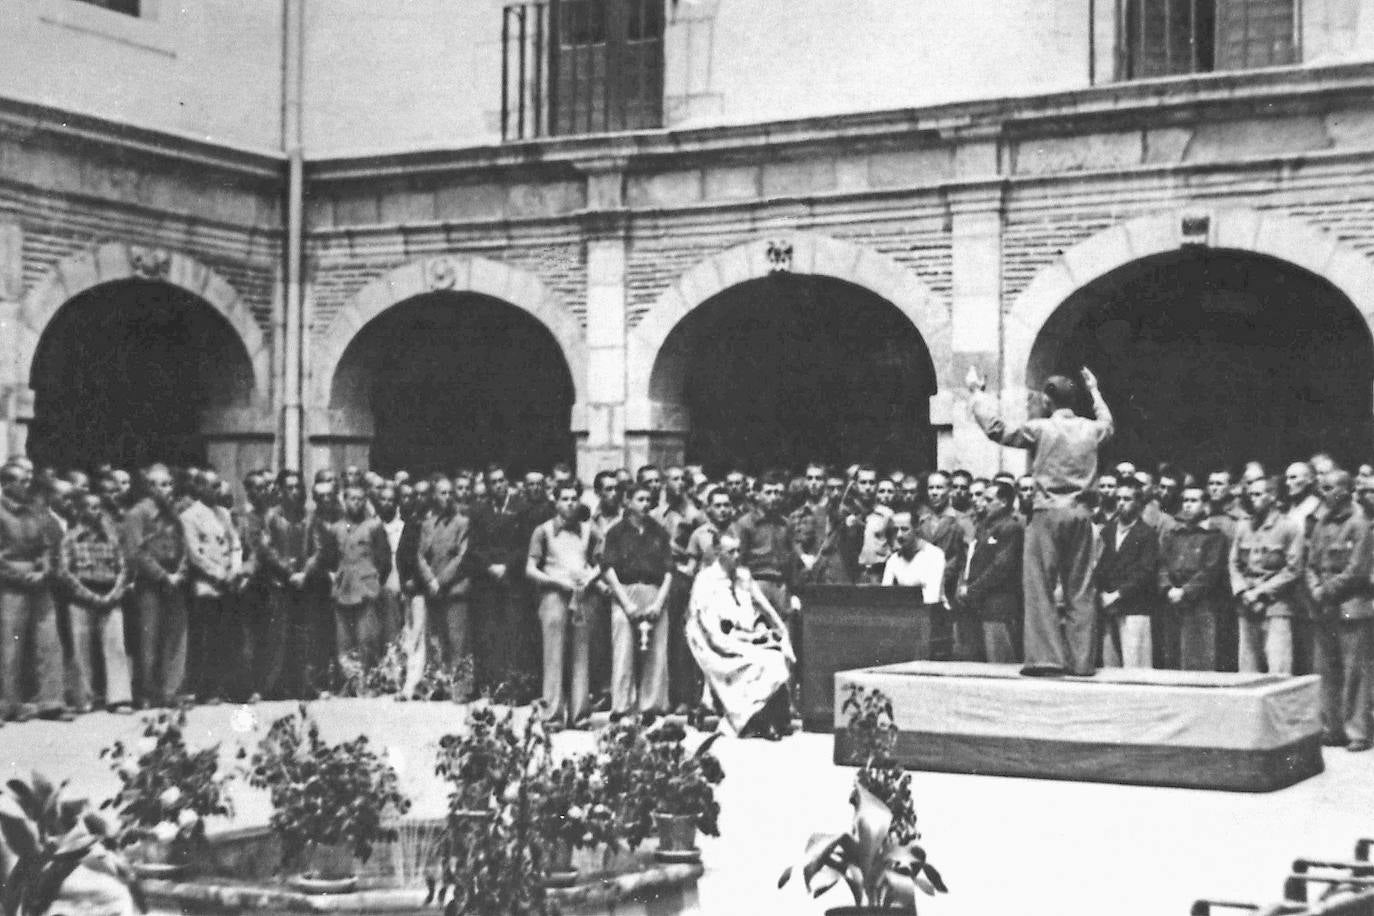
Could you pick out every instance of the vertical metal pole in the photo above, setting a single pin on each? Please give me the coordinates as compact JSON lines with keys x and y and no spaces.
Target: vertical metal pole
{"x":1194,"y":37}
{"x":537,"y":119}
{"x":575,"y":54}
{"x":293,"y":300}
{"x":522,"y":10}
{"x":555,"y":50}
{"x":1092,"y":42}
{"x":1140,"y":39}
{"x":1169,"y":37}
{"x":505,"y":72}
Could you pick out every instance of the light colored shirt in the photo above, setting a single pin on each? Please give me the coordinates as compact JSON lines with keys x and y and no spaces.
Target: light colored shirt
{"x":1063,"y":446}
{"x":212,"y":547}
{"x":393,"y":531}
{"x":875,"y":547}
{"x":925,"y":570}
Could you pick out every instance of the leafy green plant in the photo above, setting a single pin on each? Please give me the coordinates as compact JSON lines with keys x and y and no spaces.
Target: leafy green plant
{"x":385,"y":677}
{"x":872,"y":731}
{"x":879,"y":869}
{"x":444,"y":681}
{"x":646,"y":769}
{"x":494,"y":857}
{"x":166,"y":789}
{"x":572,"y":805}
{"x":48,"y":838}
{"x":325,"y":794}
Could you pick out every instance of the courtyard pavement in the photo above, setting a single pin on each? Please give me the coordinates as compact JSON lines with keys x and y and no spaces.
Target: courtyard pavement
{"x":1003,"y":845}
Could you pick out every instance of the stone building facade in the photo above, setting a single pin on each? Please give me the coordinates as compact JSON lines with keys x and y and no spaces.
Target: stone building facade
{"x":1203,"y":241}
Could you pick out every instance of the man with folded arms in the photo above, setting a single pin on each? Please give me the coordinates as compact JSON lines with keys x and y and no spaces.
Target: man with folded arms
{"x":1192,"y":580}
{"x":1266,"y":563}
{"x":155,"y":543}
{"x":445,"y":566}
{"x":638,"y":567}
{"x":93,"y":575}
{"x":215,"y":557}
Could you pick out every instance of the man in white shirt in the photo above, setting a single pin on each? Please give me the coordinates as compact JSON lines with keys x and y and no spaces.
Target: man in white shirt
{"x":390,"y":606}
{"x":916,"y":562}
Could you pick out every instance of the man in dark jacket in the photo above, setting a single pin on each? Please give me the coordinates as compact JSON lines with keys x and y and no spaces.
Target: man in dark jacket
{"x":991,"y":590}
{"x":1126,"y":579}
{"x":1192,"y":580}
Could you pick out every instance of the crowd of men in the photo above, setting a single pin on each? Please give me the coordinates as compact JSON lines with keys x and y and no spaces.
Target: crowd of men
{"x":163,"y":590}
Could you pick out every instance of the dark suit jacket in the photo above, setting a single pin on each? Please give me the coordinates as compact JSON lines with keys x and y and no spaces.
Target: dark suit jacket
{"x":994,"y":572}
{"x":1133,"y":570}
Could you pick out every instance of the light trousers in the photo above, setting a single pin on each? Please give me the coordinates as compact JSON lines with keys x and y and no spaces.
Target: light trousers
{"x":1058,"y":551}
{"x":647,"y":692}
{"x":1341,"y":651}
{"x":28,"y":635}
{"x":1266,"y":644}
{"x":1127,"y":642}
{"x":100,"y":631}
{"x":566,"y":693}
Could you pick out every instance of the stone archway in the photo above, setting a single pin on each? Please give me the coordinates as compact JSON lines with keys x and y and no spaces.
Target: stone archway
{"x":232,"y":434}
{"x":1038,"y":323}
{"x":343,"y":432}
{"x":656,"y":422}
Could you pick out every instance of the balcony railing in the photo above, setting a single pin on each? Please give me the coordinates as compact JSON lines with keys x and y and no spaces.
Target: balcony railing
{"x":581,"y":66}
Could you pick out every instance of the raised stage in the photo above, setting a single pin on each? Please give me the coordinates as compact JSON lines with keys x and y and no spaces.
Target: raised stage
{"x":1239,"y":732}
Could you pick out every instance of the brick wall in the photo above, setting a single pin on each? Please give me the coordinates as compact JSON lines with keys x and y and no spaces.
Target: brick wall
{"x":56,"y":227}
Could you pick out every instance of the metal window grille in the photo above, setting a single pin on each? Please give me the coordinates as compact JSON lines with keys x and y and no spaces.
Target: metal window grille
{"x":581,"y":66}
{"x":1172,"y":37}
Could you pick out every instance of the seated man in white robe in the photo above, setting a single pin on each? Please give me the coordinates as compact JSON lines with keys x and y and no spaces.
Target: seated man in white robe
{"x":741,"y":644}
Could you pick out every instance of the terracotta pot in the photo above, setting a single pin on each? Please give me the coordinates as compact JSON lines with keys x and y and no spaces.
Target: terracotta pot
{"x":154,"y":858}
{"x":330,"y":862}
{"x":677,"y":833}
{"x":560,"y":871}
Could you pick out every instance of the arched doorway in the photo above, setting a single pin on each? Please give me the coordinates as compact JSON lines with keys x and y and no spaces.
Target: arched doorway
{"x":127,"y":371}
{"x":778,"y":370}
{"x":1212,"y":357}
{"x":455,"y":379}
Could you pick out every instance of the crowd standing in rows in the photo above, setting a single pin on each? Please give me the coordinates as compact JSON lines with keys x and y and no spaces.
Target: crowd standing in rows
{"x":659,"y":590}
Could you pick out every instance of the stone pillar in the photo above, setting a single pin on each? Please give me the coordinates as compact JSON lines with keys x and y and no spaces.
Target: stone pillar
{"x":16,"y":399}
{"x":976,"y":335}
{"x":603,"y":413}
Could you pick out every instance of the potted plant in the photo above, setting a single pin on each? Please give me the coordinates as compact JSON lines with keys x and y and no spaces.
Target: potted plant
{"x":873,"y":732}
{"x":47,"y":839}
{"x":494,"y":859}
{"x":662,"y":789}
{"x":330,"y":802}
{"x":882,"y":872}
{"x":878,"y":858}
{"x":166,"y":792}
{"x":572,"y":813}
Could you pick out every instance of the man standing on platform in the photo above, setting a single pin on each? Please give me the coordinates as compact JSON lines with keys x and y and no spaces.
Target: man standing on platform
{"x":1266,"y":561}
{"x":1338,"y":581}
{"x":1192,"y":581}
{"x":1059,"y":538}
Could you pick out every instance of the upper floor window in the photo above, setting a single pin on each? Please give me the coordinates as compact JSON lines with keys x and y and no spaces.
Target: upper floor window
{"x":1172,"y":37}
{"x":581,"y":66}
{"x":127,"y":7}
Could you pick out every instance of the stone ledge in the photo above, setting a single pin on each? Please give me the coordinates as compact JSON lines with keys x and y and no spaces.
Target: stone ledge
{"x":206,"y":897}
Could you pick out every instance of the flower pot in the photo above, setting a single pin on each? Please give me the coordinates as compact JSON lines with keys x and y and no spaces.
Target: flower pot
{"x":560,"y":871}
{"x":677,"y":838}
{"x":868,"y":911}
{"x":154,"y":858}
{"x":329,"y":869}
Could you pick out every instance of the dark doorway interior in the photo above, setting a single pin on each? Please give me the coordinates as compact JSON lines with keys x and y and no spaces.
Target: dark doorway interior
{"x":458,"y":379}
{"x":124,"y":372}
{"x":779,"y":370}
{"x":1218,"y":357}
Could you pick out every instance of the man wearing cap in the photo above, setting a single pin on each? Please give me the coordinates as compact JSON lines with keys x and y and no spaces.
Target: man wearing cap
{"x":1059,"y":538}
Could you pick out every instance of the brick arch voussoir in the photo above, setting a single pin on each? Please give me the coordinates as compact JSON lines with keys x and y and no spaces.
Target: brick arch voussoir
{"x":448,"y":273}
{"x":810,"y":253}
{"x":1268,"y":233}
{"x":113,"y":261}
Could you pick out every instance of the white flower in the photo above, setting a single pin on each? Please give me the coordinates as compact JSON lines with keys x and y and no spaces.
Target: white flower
{"x":165,"y":832}
{"x":187,"y":818}
{"x":603,"y":759}
{"x":170,"y":796}
{"x":595,"y":781}
{"x":129,"y":767}
{"x":576,"y":813}
{"x":512,"y":793}
{"x":145,"y":746}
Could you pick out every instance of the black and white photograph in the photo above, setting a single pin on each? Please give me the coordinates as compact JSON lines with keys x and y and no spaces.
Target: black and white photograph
{"x":657,"y":457}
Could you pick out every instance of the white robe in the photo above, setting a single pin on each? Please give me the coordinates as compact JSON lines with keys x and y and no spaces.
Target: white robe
{"x":722,"y":624}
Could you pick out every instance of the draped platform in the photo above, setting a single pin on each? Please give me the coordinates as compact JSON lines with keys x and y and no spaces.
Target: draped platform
{"x":1240,"y":732}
